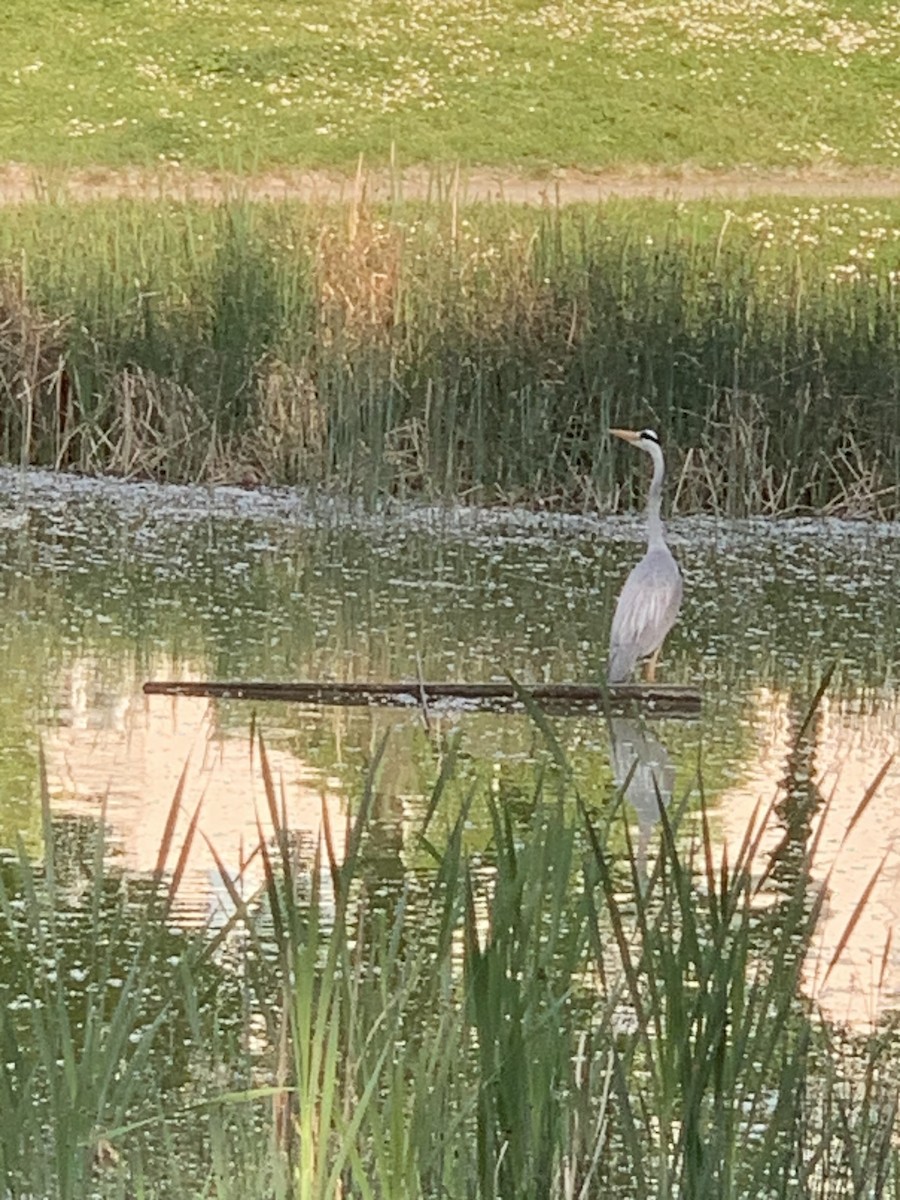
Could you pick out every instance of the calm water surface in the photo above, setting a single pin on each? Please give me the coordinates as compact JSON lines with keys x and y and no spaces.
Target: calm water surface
{"x":104,"y":585}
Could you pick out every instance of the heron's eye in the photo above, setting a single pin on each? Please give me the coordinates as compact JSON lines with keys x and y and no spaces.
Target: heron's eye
{"x":649,"y":435}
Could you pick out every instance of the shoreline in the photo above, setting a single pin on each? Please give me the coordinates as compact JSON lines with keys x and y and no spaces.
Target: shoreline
{"x":23,"y":184}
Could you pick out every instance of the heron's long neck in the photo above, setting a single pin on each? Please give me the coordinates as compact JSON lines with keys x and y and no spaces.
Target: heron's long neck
{"x":654,"y":501}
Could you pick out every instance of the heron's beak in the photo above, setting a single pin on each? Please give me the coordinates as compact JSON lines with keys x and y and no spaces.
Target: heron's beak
{"x":627,"y":435}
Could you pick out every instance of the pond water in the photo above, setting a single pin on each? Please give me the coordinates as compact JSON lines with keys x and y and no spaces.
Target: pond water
{"x":104,"y":585}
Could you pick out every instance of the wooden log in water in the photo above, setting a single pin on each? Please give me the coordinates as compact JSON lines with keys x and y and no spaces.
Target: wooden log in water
{"x":656,"y":698}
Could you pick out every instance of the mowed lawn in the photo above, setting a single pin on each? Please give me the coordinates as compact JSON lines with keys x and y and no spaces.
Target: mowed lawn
{"x":256,"y":84}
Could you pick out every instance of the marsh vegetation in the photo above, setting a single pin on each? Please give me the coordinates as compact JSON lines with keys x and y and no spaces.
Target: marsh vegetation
{"x":551,"y":1018}
{"x":447,"y":351}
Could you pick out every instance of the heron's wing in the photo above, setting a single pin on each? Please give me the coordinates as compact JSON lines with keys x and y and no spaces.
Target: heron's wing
{"x":645,"y":612}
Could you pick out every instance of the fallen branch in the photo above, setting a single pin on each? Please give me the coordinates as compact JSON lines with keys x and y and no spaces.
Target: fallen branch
{"x":671,"y":699}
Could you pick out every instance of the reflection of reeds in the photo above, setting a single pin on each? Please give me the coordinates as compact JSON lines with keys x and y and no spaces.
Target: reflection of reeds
{"x":448,"y":350}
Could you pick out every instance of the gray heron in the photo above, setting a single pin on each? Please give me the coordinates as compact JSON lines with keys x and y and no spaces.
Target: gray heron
{"x":651,"y":596}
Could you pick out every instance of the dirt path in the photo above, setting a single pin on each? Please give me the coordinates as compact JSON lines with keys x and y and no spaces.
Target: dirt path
{"x":20,"y":184}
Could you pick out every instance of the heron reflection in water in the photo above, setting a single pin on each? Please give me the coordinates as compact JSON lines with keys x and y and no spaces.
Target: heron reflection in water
{"x":651,"y":596}
{"x":644,"y":773}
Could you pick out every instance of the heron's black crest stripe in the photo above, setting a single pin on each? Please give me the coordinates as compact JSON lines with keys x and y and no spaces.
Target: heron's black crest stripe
{"x":649,"y":436}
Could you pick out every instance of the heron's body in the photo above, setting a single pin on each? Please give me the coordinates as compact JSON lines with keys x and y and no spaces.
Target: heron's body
{"x":651,"y":596}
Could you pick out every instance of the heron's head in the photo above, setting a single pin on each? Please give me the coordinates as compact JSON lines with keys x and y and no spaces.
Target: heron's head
{"x":644,"y":439}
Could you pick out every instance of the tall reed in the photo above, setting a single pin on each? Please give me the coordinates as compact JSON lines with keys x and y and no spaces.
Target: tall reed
{"x":558,"y":1024}
{"x":553,"y":1019}
{"x":107,"y":1013}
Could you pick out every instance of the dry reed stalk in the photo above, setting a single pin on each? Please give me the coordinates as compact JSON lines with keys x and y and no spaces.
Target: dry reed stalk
{"x":35,"y":388}
{"x":292,"y":423}
{"x":862,"y":484}
{"x":358,"y":276}
{"x":156,"y":424}
{"x":407,"y":452}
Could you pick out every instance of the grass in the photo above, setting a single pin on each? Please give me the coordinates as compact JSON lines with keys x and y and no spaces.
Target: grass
{"x":448,"y":352}
{"x":220,"y":83}
{"x":549,"y":1019}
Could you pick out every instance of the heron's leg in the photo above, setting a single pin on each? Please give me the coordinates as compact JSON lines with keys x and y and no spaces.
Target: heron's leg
{"x":651,"y":666}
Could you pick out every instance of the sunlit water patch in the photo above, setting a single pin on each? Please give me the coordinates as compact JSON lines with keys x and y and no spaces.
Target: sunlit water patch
{"x":107,"y":584}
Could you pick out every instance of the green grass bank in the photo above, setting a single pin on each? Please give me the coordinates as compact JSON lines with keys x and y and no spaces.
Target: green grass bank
{"x":473,"y":351}
{"x":510,"y":82}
